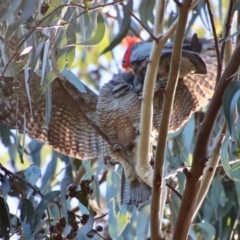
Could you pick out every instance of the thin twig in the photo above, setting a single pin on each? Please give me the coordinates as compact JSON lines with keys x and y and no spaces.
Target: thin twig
{"x":174,"y":190}
{"x":15,"y":176}
{"x":139,"y":21}
{"x":219,"y":60}
{"x":190,"y":194}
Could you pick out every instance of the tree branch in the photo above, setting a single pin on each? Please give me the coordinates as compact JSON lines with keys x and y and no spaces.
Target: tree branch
{"x":210,"y":169}
{"x":143,"y":168}
{"x":190,"y":194}
{"x":166,"y":111}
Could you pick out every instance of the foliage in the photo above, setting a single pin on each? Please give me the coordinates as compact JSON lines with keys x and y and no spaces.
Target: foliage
{"x":39,"y":196}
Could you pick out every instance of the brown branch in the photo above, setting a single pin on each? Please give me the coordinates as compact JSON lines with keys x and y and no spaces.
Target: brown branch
{"x":211,"y":167}
{"x":174,"y":190}
{"x":35,"y":189}
{"x":190,"y":194}
{"x":166,"y":111}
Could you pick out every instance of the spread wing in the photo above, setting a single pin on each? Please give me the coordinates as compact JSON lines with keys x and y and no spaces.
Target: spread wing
{"x":68,"y":131}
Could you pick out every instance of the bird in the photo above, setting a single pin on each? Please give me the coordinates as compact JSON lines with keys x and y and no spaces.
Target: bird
{"x":83,"y":124}
{"x":136,"y":58}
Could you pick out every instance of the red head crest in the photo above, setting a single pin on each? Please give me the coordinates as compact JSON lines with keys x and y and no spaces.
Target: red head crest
{"x":129,"y":42}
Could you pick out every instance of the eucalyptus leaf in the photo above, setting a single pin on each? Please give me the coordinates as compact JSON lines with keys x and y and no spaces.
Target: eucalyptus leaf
{"x":14,"y":67}
{"x":4,"y":219}
{"x":86,"y":228}
{"x":8,"y":8}
{"x":48,"y":105}
{"x":96,"y":190}
{"x":32,"y":174}
{"x":46,"y":200}
{"x":208,"y":229}
{"x":27,"y":9}
{"x":143,"y":222}
{"x":230,"y":98}
{"x":70,"y":77}
{"x":48,"y":174}
{"x":5,"y":134}
{"x":98,"y":35}
{"x":64,"y":185}
{"x":5,"y":187}
{"x":123,"y":29}
{"x":47,"y":80}
{"x":27,"y":230}
{"x":26,"y":211}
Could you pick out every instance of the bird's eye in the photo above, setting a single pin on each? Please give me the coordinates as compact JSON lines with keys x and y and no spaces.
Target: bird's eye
{"x":124,"y":61}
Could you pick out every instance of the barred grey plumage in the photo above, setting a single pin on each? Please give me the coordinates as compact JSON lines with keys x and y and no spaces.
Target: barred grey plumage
{"x":68,"y":132}
{"x":116,"y":111}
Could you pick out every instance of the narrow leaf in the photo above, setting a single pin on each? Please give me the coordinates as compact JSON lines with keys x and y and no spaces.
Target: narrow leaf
{"x":98,"y":35}
{"x":27,"y":211}
{"x":70,"y":77}
{"x":230,"y":98}
{"x":123,"y":29}
{"x":4,"y":219}
{"x":46,"y":200}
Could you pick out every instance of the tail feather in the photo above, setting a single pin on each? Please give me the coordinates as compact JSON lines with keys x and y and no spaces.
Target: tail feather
{"x":134,"y":192}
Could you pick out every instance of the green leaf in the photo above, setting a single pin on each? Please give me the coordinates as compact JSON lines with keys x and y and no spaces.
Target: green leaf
{"x":5,"y":134}
{"x":208,"y":229}
{"x":146,"y":12}
{"x":50,"y":171}
{"x":14,"y":67}
{"x":4,"y":219}
{"x":46,"y":200}
{"x":47,"y":80}
{"x":27,"y":211}
{"x":175,"y":205}
{"x":123,"y":29}
{"x":27,"y":8}
{"x":8,"y":8}
{"x":235,"y":167}
{"x":70,"y":77}
{"x":64,"y":185}
{"x":65,"y":58}
{"x":82,"y":199}
{"x":32,"y":174}
{"x":143,"y":222}
{"x":225,"y":157}
{"x":113,"y":185}
{"x":48,"y":105}
{"x":230,"y":98}
{"x":98,"y":35}
{"x":96,"y":190}
{"x":53,"y":13}
{"x":26,"y":231}
{"x":234,"y":175}
{"x":86,"y":228}
{"x":5,"y":187}
{"x":230,"y":36}
{"x":118,"y":219}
